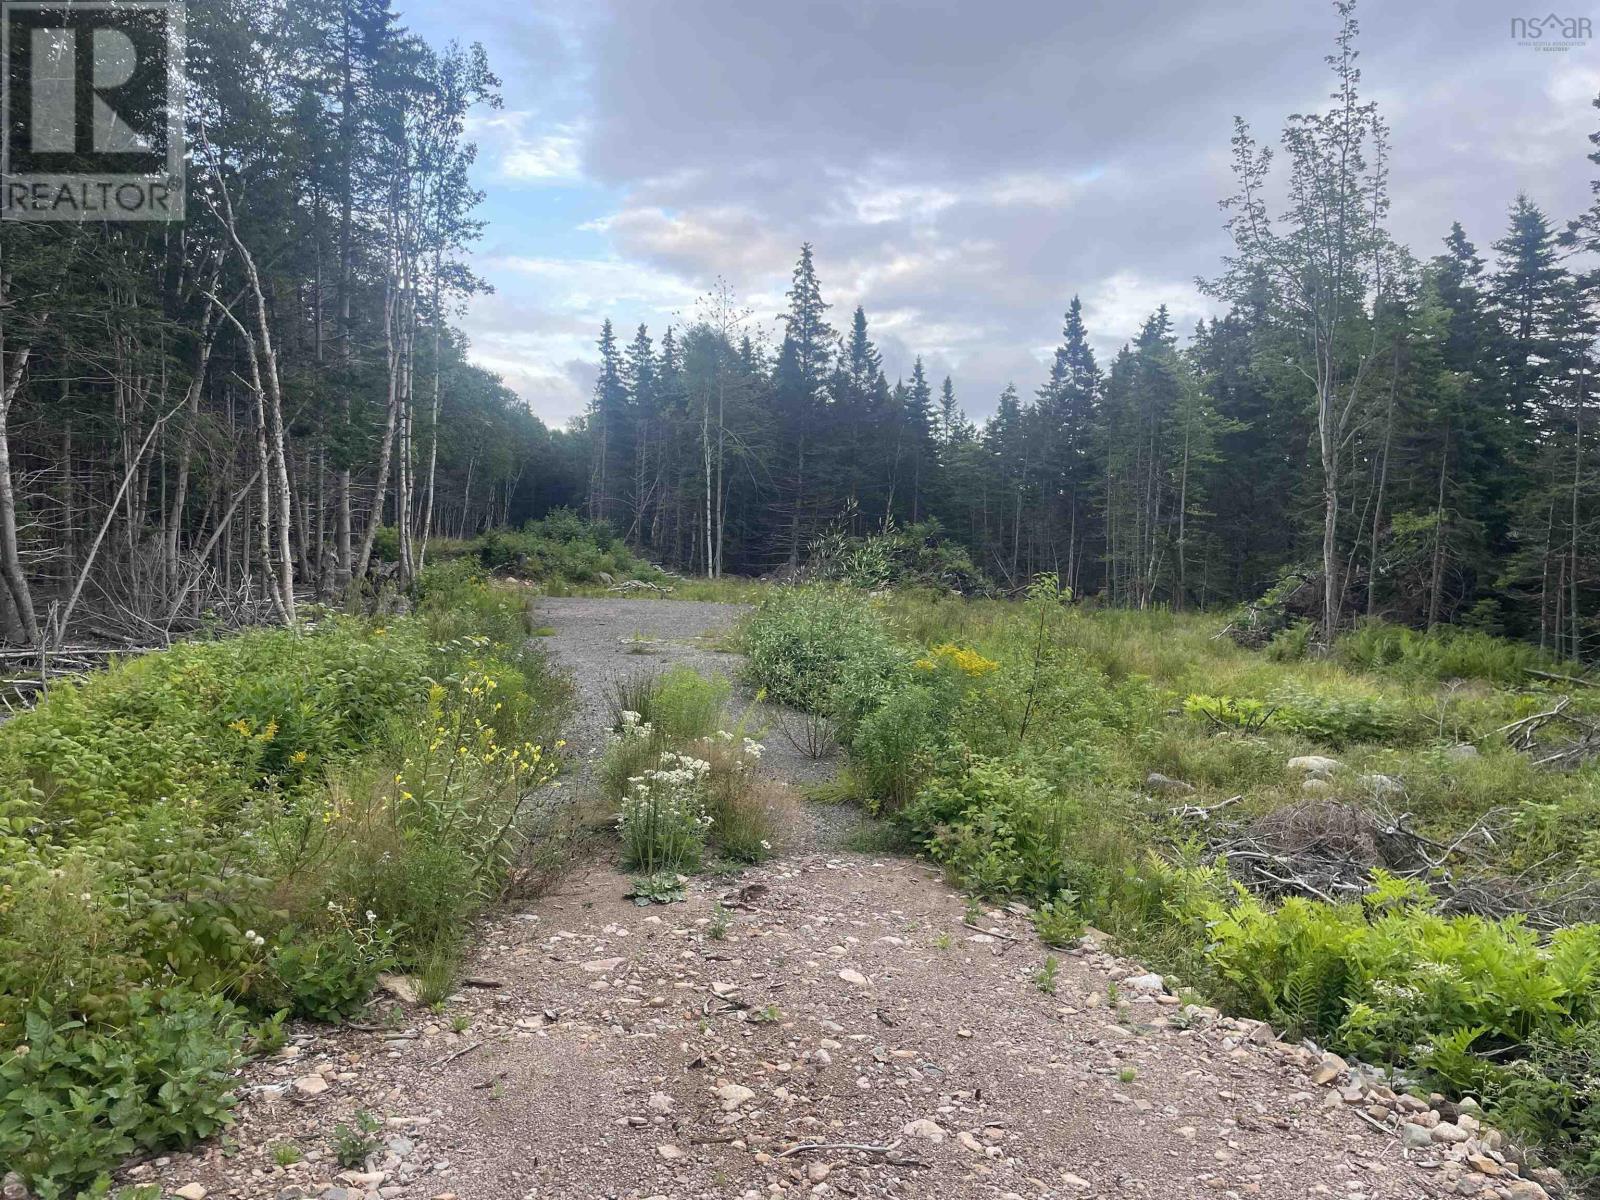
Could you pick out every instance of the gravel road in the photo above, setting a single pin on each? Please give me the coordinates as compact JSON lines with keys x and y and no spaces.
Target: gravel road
{"x":599,"y":641}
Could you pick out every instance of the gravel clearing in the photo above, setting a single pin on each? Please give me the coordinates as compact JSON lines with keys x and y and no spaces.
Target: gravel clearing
{"x":828,"y":1024}
{"x":598,"y":641}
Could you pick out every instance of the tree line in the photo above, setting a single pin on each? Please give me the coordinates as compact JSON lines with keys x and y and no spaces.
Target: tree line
{"x":1415,"y":438}
{"x":219,"y":418}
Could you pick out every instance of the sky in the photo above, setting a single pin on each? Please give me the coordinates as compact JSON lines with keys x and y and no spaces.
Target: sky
{"x":962,"y":167}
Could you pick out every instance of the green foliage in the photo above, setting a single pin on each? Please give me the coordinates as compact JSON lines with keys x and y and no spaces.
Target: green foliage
{"x":1337,"y":716}
{"x":353,"y":1144}
{"x":997,"y":830}
{"x":1229,"y":711}
{"x":250,"y":826}
{"x":76,"y":1096}
{"x":1057,"y":922}
{"x":1387,"y":977}
{"x":1045,"y":977}
{"x":913,"y":556}
{"x":327,"y":974}
{"x":1445,"y":652}
{"x":823,"y":650}
{"x":685,"y":705}
{"x":562,"y":548}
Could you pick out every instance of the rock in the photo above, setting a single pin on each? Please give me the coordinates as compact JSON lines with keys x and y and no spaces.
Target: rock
{"x":1314,"y":764}
{"x":1381,"y":786}
{"x":1329,"y":1069}
{"x":818,"y":1171}
{"x":669,"y":1152}
{"x":602,"y":966}
{"x":311,"y":1085}
{"x":925,"y":1129}
{"x":1147,"y":983}
{"x":402,"y":987}
{"x":1317,"y":786}
{"x":1158,"y":782}
{"x":12,"y":1187}
{"x":190,"y":1191}
{"x":1525,"y":1189}
{"x":1485,"y":1165}
{"x":969,"y":1142}
{"x":661,"y":1103}
{"x":1461,"y":753}
{"x":1415,"y":1136}
{"x":1077,"y":1181}
{"x":850,"y":975}
{"x":1449,"y":1133}
{"x":1549,"y":1178}
{"x":733,"y":1095}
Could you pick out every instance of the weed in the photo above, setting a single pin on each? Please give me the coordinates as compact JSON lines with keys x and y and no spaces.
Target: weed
{"x":717,"y":927}
{"x":1045,"y":977}
{"x":353,"y":1144}
{"x":286,"y":1154}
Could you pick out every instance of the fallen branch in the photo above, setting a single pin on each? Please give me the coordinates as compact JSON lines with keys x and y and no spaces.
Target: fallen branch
{"x":864,"y":1148}
{"x":450,"y":1058}
{"x":1556,"y":678}
{"x":1004,"y":937}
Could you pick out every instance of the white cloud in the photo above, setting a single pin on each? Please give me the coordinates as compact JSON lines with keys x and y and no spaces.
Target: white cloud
{"x":520,"y":151}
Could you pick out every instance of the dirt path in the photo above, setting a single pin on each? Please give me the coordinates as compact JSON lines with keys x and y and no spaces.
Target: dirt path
{"x":846,"y":1009}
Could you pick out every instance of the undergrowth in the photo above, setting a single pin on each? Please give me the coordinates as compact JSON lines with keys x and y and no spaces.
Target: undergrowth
{"x":1010,"y":742}
{"x":198,"y":843}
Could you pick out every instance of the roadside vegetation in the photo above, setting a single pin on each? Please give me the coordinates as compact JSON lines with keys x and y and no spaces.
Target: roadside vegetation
{"x":197,"y":844}
{"x":1361,"y":847}
{"x":681,"y":778}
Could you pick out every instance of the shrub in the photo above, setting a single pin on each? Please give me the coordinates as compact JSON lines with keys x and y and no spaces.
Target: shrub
{"x":76,"y":1096}
{"x":562,"y":548}
{"x":916,"y":556}
{"x":256,"y":824}
{"x":823,"y":650}
{"x":895,"y":746}
{"x":997,"y":830}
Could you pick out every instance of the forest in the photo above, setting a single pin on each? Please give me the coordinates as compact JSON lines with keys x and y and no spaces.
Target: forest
{"x":1408,"y":435}
{"x":217,"y":419}
{"x":271,"y":400}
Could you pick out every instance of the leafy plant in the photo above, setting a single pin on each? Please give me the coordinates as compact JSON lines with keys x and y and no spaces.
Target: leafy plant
{"x":1045,"y":978}
{"x":1057,"y":922}
{"x":354,"y":1143}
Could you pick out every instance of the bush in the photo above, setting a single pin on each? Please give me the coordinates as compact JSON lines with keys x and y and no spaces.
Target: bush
{"x":823,"y":650}
{"x":997,"y":830}
{"x":259,"y":824}
{"x":76,"y":1096}
{"x":917,"y":556}
{"x":562,"y":548}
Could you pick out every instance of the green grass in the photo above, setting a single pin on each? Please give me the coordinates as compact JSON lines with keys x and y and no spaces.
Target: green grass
{"x":199,"y":842}
{"x":1011,"y":742}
